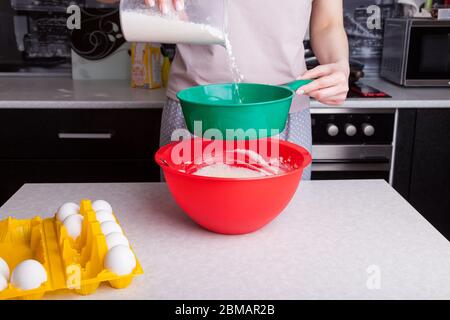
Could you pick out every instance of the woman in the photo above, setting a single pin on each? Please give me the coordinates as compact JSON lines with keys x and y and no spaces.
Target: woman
{"x":267,"y":44}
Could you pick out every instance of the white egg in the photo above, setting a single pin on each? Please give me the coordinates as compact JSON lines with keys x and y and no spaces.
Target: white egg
{"x":103,"y":216}
{"x":3,"y":283}
{"x":110,"y":227}
{"x":116,"y":239}
{"x":120,"y":260}
{"x":4,"y":269}
{"x":101,"y":205}
{"x":74,"y":224}
{"x":28,"y":275}
{"x":67,"y":209}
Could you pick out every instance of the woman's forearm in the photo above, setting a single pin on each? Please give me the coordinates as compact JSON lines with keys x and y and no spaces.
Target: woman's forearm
{"x":328,"y":37}
{"x":330,"y":45}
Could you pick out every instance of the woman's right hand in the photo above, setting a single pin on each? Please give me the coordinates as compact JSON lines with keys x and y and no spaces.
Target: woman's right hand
{"x":164,"y":4}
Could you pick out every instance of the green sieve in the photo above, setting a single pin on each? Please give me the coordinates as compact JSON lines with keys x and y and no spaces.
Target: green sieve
{"x":258,"y":111}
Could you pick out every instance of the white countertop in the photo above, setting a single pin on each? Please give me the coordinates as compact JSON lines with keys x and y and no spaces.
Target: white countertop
{"x":63,"y":93}
{"x":320,"y":247}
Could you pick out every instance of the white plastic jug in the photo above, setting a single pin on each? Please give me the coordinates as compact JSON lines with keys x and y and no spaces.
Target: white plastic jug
{"x":201,"y":22}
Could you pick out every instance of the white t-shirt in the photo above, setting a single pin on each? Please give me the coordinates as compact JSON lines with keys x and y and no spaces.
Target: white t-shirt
{"x":267,"y":40}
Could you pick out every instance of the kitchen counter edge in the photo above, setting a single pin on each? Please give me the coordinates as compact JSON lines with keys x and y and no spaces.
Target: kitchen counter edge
{"x":64,"y":93}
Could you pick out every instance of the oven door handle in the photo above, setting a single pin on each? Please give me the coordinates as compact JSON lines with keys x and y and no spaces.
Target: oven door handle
{"x":85,"y":136}
{"x":348,"y":152}
{"x":350,"y":166}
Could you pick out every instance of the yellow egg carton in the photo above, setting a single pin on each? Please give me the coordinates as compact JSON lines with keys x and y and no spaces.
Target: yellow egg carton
{"x":76,"y":265}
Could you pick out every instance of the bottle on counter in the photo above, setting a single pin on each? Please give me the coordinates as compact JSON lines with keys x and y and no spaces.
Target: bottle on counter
{"x":146,"y":65}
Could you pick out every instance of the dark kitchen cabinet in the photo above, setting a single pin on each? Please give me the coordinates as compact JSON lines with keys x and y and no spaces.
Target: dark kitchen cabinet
{"x":74,"y":145}
{"x":422,"y":164}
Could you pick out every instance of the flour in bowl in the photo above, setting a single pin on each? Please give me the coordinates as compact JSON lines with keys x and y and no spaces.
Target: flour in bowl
{"x":222,"y":170}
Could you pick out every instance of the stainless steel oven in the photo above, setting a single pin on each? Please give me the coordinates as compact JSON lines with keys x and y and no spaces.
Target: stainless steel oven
{"x":352,"y":143}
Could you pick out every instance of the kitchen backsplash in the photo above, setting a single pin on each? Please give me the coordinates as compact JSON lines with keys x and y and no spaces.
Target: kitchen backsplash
{"x":365,"y":33}
{"x":34,"y":37}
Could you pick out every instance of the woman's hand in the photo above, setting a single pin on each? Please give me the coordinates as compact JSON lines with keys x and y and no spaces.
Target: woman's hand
{"x":330,"y":85}
{"x":164,"y":4}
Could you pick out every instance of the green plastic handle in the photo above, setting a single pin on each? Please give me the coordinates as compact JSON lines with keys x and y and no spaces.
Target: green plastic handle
{"x":295,"y":85}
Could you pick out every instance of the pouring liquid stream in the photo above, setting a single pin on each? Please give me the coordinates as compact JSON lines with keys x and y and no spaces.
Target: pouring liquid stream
{"x":235,"y":72}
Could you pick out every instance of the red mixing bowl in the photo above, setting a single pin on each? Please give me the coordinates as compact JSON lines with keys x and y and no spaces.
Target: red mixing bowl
{"x":230,"y":205}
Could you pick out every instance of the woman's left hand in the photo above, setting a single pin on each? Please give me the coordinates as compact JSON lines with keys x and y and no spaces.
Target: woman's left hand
{"x":330,"y":85}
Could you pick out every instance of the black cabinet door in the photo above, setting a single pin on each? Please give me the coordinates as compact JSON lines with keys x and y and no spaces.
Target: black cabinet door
{"x":429,"y":189}
{"x":72,"y":145}
{"x":79,"y":133}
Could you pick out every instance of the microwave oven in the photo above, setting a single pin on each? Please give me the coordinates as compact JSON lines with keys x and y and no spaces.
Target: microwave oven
{"x":416,"y":52}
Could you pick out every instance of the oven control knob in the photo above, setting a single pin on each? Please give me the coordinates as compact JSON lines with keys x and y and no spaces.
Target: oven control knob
{"x":332,"y":130}
{"x":368,"y":129}
{"x":350,"y":130}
